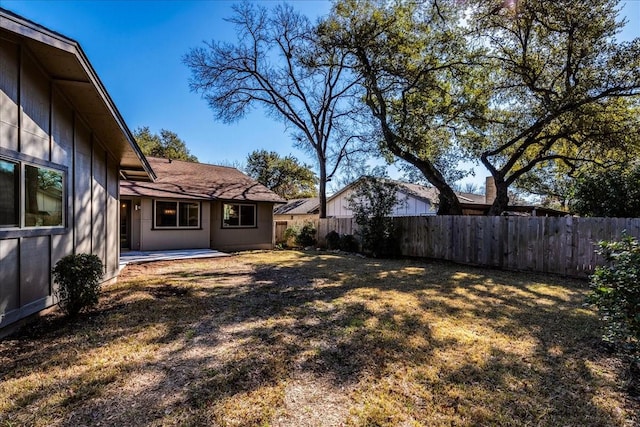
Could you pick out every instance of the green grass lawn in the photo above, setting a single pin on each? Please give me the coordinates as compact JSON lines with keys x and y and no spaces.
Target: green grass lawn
{"x":291,"y":338}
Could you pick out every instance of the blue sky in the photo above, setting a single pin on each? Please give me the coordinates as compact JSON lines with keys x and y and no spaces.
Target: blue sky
{"x":136,"y":47}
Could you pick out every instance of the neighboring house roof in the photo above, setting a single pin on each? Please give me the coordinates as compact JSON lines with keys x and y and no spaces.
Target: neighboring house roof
{"x":428,"y":194}
{"x":298,"y":207}
{"x":67,"y":65}
{"x":468,"y":201}
{"x":513,"y":210}
{"x":177,"y":179}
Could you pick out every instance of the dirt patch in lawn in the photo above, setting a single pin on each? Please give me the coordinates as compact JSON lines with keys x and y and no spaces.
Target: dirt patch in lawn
{"x":318,"y":339}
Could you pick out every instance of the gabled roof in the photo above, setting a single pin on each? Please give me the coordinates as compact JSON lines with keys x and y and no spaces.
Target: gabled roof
{"x":177,"y":179}
{"x":428,"y":194}
{"x":298,"y":207}
{"x":64,"y":61}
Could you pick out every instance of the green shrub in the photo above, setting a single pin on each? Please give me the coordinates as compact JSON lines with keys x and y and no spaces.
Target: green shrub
{"x":306,"y":236}
{"x":302,"y":236}
{"x":344,"y":242}
{"x":290,"y":235}
{"x":615,"y":291}
{"x":349,"y":243}
{"x":78,"y":278}
{"x":333,"y":240}
{"x":372,"y":203}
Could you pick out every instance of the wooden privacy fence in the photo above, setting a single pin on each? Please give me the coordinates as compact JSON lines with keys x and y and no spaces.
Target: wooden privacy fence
{"x":561,"y":245}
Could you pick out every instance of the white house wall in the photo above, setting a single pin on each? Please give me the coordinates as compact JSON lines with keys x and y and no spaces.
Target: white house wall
{"x":39,"y":127}
{"x":408,"y":205}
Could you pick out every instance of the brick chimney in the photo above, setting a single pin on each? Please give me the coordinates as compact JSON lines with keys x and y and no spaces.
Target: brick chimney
{"x":489,"y":190}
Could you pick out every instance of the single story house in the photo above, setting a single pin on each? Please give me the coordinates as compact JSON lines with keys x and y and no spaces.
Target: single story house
{"x":412,"y":200}
{"x":63,"y":148}
{"x":298,"y":210}
{"x":418,"y":200}
{"x":196,"y":205}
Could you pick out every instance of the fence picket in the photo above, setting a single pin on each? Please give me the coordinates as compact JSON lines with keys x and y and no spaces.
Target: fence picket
{"x":561,"y":245}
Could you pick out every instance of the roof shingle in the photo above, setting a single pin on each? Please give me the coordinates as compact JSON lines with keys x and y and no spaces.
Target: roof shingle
{"x":177,"y":179}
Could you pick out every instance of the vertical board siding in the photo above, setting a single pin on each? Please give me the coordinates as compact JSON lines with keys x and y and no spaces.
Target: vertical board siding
{"x":99,"y":203}
{"x":9,"y":275}
{"x":558,"y":245}
{"x":35,"y":269}
{"x":9,"y":110}
{"x":83,"y":184}
{"x":113,"y":224}
{"x":61,"y":131}
{"x":38,"y":123}
{"x":35,"y":99}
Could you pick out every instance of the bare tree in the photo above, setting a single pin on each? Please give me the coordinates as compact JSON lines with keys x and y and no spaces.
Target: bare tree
{"x":277,"y":64}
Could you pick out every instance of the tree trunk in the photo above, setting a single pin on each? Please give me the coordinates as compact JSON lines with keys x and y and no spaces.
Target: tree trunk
{"x":501,"y":202}
{"x":322,"y":190}
{"x":449,"y":203}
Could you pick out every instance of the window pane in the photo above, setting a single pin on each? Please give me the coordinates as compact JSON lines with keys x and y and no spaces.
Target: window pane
{"x":166,"y":214}
{"x":9,"y":179}
{"x":247,"y":215}
{"x":43,"y":197}
{"x":231,"y":216}
{"x":189,"y":214}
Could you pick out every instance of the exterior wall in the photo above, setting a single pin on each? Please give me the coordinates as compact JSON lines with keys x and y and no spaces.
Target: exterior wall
{"x":296,"y":218}
{"x":145,"y":238}
{"x":407,"y":206}
{"x":38,"y":127}
{"x":239,"y":239}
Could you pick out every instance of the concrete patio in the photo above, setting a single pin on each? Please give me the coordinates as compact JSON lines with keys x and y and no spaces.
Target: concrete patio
{"x":138,"y":257}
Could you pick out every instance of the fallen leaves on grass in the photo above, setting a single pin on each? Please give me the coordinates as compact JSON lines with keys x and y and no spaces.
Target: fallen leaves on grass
{"x":317,"y":339}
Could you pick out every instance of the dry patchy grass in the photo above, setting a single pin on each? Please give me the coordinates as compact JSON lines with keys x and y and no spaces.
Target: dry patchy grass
{"x":318,"y":339}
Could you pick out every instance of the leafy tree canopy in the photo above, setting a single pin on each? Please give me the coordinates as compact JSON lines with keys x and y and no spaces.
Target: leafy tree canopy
{"x":285,"y":176}
{"x":561,"y":88}
{"x":613,"y":192}
{"x":414,"y":63}
{"x":167,"y":144}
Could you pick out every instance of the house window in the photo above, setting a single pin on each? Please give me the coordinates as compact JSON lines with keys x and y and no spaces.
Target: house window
{"x":43,"y":197}
{"x":177,"y":214}
{"x":9,"y":193}
{"x":42,"y":201}
{"x":238,"y":215}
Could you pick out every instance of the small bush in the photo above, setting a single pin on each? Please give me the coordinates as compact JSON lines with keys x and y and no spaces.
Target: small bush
{"x":306,"y":236}
{"x":78,"y":278}
{"x":615,"y":291}
{"x":290,"y":235}
{"x":302,"y":236}
{"x":333,"y":240}
{"x":344,"y":242}
{"x":372,"y":203}
{"x":349,"y":243}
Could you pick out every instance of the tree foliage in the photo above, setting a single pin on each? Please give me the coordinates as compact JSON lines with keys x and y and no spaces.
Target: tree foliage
{"x":372,"y":203}
{"x":167,"y":144}
{"x":277,"y":64}
{"x":614,"y":192}
{"x":415,"y":67}
{"x":616,"y":293}
{"x":562,"y":89}
{"x":285,"y":176}
{"x":525,"y":87}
